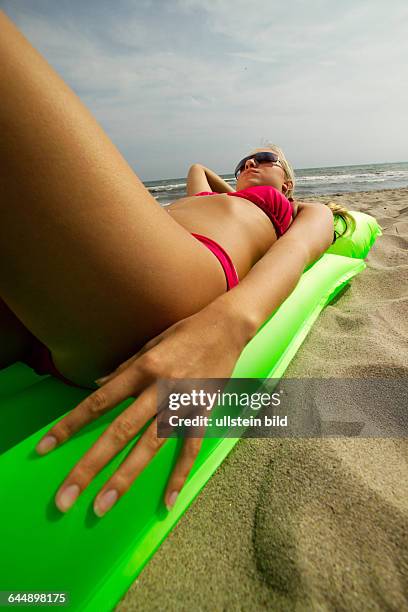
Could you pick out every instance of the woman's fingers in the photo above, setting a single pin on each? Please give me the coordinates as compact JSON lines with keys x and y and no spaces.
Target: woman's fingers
{"x":185,"y":462}
{"x":141,"y":455}
{"x":119,"y":433}
{"x":129,"y":470}
{"x":125,"y":385}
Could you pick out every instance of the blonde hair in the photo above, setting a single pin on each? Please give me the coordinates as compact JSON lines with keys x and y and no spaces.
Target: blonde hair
{"x":341,"y":212}
{"x":338,"y":210}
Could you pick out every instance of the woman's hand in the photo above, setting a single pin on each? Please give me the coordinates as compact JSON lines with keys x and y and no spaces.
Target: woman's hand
{"x":204,"y":345}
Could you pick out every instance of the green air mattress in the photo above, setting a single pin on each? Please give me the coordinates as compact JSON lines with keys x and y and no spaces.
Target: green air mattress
{"x":96,"y":560}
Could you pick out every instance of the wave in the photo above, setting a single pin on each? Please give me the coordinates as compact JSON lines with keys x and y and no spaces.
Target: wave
{"x":353,"y":178}
{"x":171,"y":187}
{"x":174,"y":186}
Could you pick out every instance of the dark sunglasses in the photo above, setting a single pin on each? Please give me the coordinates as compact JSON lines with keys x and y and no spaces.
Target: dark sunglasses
{"x":260,"y":158}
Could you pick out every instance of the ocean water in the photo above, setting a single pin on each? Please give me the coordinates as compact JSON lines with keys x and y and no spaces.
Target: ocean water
{"x":309,"y":181}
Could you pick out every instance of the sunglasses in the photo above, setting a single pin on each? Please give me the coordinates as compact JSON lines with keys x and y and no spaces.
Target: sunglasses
{"x":260,"y":158}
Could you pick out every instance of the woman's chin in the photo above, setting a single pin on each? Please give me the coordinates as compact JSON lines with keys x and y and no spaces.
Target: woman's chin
{"x":250,"y":181}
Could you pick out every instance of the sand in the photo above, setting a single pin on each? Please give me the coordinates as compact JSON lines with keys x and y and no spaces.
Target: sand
{"x":317,"y":524}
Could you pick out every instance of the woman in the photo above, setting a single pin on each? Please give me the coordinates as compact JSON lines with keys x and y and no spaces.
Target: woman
{"x":96,"y":272}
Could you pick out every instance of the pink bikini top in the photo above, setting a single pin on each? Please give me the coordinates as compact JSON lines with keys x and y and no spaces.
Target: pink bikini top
{"x":269,"y":199}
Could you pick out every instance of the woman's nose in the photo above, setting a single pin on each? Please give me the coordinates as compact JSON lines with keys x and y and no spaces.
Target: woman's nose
{"x":249,"y":163}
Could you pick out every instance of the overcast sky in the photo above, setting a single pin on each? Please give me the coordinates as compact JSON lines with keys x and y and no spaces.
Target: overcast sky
{"x":182,"y":81}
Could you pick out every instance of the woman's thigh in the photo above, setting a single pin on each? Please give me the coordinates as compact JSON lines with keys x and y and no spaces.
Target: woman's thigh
{"x":91,"y":264}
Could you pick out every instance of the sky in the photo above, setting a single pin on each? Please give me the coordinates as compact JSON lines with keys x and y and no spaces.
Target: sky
{"x":179,"y":82}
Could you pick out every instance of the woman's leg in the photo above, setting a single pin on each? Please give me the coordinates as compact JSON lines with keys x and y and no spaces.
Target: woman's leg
{"x":90,"y":262}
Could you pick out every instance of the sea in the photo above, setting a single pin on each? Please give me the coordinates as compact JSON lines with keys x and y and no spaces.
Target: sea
{"x":309,"y":181}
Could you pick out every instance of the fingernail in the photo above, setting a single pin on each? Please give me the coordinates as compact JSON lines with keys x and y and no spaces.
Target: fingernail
{"x":172,"y":499}
{"x":67,"y":497}
{"x":46,"y":444}
{"x":101,"y":381}
{"x":105,"y":503}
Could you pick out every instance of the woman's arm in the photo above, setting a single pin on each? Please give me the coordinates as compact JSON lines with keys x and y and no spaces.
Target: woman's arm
{"x":201,"y":178}
{"x":206,"y":344}
{"x":273,"y":278}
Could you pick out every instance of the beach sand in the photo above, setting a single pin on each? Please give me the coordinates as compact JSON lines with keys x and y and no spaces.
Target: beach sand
{"x":308,"y":524}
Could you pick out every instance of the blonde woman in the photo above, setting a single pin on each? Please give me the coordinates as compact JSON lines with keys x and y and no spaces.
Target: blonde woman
{"x":96,"y":275}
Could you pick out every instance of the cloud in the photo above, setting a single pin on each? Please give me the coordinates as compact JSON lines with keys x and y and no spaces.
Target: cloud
{"x":217,"y":77}
{"x":254,"y":57}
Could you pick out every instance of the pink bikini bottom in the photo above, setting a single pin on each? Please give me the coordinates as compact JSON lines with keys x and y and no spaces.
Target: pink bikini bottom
{"x":39,"y":357}
{"x":224,"y":259}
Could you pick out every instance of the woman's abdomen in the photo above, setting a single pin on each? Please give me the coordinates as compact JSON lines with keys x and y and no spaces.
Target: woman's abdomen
{"x":238,"y":225}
